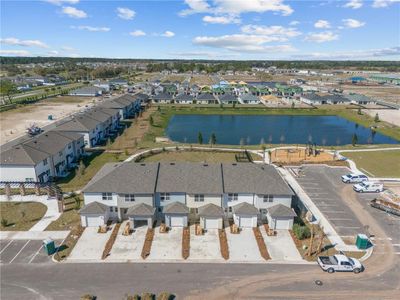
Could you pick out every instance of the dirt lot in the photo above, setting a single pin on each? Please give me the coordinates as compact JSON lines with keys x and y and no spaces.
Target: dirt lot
{"x":13,"y":123}
{"x":380,"y":92}
{"x":388,"y":115}
{"x":299,"y":155}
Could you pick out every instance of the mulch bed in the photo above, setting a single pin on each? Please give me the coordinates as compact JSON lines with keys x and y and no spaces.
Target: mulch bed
{"x":186,"y":243}
{"x":223,"y":242}
{"x":111,"y":241}
{"x":147,"y":243}
{"x":261,"y":244}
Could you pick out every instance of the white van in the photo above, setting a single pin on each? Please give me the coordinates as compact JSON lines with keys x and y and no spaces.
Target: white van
{"x":368,"y":187}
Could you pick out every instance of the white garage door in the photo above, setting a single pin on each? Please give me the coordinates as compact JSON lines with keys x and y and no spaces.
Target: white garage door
{"x":176,"y":221}
{"x":246,"y":222}
{"x":211,"y":223}
{"x":93,"y":221}
{"x":282,"y":224}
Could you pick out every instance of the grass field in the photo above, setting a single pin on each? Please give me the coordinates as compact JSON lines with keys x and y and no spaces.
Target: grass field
{"x":20,"y":216}
{"x":377,"y":163}
{"x":196,"y":156}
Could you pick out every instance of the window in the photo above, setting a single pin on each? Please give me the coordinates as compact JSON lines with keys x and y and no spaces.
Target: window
{"x":60,"y":153}
{"x":268,"y":198}
{"x":69,"y":146}
{"x":29,"y":179}
{"x":129,"y":197}
{"x":232,"y":197}
{"x":111,"y":208}
{"x":45,"y":162}
{"x":106,"y":196}
{"x":230,"y":209}
{"x":164,"y":197}
{"x":198,"y":198}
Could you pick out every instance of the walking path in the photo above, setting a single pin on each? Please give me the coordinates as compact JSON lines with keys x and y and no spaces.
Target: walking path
{"x":51,"y":214}
{"x":33,"y":235}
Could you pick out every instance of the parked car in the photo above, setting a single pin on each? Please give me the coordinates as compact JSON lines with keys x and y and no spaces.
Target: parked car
{"x":368,"y":187}
{"x":354,"y":178}
{"x":340,"y":263}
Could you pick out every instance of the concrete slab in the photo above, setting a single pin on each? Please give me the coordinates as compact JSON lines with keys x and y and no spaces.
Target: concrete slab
{"x":205,"y":247}
{"x":90,"y":245}
{"x":243,"y":246}
{"x":33,"y":235}
{"x":128,"y":248}
{"x":281,"y":247}
{"x":166,"y":246}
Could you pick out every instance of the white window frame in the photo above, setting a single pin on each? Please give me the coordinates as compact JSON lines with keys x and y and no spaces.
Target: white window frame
{"x":233,"y":197}
{"x":164,"y":197}
{"x":198,"y":198}
{"x":129,"y":197}
{"x":106,"y":196}
{"x":268,"y":198}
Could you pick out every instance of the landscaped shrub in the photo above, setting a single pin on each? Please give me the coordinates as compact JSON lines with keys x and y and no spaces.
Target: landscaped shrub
{"x":301,"y":232}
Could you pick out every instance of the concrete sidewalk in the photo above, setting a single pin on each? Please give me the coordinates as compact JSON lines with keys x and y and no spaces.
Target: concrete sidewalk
{"x":51,"y":214}
{"x":33,"y":235}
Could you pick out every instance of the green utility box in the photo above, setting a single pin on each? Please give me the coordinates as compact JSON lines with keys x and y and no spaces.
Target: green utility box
{"x":49,"y":246}
{"x":362,"y":241}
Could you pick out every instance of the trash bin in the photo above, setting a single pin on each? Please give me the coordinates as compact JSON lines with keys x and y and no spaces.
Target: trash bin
{"x":362,"y":241}
{"x":50,"y":117}
{"x":49,"y":246}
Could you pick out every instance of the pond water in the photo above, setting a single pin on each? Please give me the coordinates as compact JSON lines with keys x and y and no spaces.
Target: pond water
{"x":282,"y":129}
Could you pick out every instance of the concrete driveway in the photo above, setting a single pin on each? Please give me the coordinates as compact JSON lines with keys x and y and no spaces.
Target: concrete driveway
{"x":90,"y":245}
{"x":127,"y":248}
{"x":243,"y":246}
{"x":166,"y":246}
{"x":205,"y":247}
{"x":281,"y":247}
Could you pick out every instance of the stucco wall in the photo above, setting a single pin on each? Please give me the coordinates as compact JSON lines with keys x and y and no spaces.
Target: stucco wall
{"x":214,"y":199}
{"x":147,"y":199}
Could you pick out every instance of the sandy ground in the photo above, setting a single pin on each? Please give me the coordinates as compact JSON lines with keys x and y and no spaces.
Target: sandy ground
{"x":390,"y":115}
{"x":298,"y":155}
{"x":13,"y":123}
{"x":380,"y":92}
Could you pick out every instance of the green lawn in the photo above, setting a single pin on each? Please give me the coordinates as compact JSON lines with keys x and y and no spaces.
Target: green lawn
{"x":377,"y":163}
{"x":20,"y":216}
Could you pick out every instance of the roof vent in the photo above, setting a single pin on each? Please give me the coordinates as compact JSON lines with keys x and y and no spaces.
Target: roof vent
{"x":142,"y":164}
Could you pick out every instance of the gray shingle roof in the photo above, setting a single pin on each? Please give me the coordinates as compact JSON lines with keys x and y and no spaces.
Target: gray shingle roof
{"x":192,"y":178}
{"x":93,"y":208}
{"x":245,"y":208}
{"x":125,"y":178}
{"x":249,"y":97}
{"x":253,"y":178}
{"x":206,"y":97}
{"x":78,"y":123}
{"x":163,"y":96}
{"x":22,"y":155}
{"x":281,"y":210}
{"x":141,"y":210}
{"x":227,"y":97}
{"x":88,"y":90}
{"x":176,"y":208}
{"x":210,"y":210}
{"x":113,"y":104}
{"x":184,"y":97}
{"x":50,"y":142}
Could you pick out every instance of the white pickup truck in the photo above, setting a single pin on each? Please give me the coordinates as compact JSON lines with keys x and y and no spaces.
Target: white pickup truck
{"x":340,"y":263}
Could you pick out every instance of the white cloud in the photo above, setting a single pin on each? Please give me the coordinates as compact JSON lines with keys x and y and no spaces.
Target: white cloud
{"x":92,"y":29}
{"x":15,"y":52}
{"x":168,"y":34}
{"x":53,"y":53}
{"x":322,"y":24}
{"x":236,"y":7}
{"x":195,"y":7}
{"x":383,"y":3}
{"x":221,"y":19}
{"x":294,"y":23}
{"x":67,"y":48}
{"x":322,"y":37}
{"x":25,"y":43}
{"x":137,"y":33}
{"x":351,"y":23}
{"x":354,"y":55}
{"x":354,"y":4}
{"x":279,"y":32}
{"x":73,"y":12}
{"x":60,"y":2}
{"x":242,"y":43}
{"x":125,"y":13}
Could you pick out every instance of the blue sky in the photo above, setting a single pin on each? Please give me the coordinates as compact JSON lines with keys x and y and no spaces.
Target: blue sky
{"x":200,"y":29}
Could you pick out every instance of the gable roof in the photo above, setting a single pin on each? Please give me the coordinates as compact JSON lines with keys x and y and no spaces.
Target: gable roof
{"x":184,"y":97}
{"x":22,"y":155}
{"x":191,"y":178}
{"x":245,"y":208}
{"x":176,"y":208}
{"x":50,"y":142}
{"x":249,"y":97}
{"x":78,"y":123}
{"x":210,"y":210}
{"x":141,"y":210}
{"x":162,"y":96}
{"x":253,"y":178}
{"x":206,"y":97}
{"x":227,"y":97}
{"x":93,"y":208}
{"x":281,"y":210}
{"x":124,"y":178}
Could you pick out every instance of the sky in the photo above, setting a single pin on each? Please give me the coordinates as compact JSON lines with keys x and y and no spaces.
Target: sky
{"x":203,"y":29}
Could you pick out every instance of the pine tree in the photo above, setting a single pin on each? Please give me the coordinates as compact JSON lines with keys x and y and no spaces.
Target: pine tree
{"x":354,"y":139}
{"x":376,"y":118}
{"x":213,"y":139}
{"x":200,"y":138}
